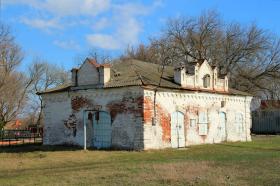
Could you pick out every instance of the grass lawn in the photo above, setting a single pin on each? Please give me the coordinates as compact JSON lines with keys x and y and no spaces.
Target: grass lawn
{"x":252,"y":163}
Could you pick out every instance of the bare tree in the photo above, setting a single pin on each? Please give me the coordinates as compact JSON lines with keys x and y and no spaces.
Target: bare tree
{"x":13,"y":84}
{"x":250,"y":54}
{"x":45,"y":76}
{"x":100,"y":57}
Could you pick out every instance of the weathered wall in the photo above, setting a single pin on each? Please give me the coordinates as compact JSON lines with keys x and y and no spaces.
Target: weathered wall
{"x":132,"y":113}
{"x":191,"y":104}
{"x":88,"y":74}
{"x":64,"y":116}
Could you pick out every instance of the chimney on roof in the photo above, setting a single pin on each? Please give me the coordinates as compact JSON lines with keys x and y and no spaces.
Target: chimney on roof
{"x":104,"y":73}
{"x":179,"y":75}
{"x":74,"y":78}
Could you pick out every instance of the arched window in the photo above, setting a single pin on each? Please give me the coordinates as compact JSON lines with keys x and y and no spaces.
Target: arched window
{"x":206,"y":81}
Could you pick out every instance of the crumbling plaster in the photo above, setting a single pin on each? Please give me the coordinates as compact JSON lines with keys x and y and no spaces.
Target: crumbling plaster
{"x":191,"y":104}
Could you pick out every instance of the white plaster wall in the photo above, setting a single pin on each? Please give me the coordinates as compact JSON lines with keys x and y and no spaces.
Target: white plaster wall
{"x":191,"y":103}
{"x":55,"y":111}
{"x":190,"y":80}
{"x":196,"y":81}
{"x":204,"y":69}
{"x":88,"y":74}
{"x":104,"y":75}
{"x":127,"y":128}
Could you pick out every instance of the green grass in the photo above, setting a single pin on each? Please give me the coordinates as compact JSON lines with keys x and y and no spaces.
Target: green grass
{"x":250,"y":163}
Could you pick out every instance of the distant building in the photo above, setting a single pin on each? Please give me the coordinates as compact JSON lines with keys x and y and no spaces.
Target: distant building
{"x":270,"y":105}
{"x":132,"y":105}
{"x":14,"y":125}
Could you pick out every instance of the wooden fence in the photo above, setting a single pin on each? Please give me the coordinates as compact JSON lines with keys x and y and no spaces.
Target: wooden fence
{"x":266,"y":122}
{"x":17,"y":137}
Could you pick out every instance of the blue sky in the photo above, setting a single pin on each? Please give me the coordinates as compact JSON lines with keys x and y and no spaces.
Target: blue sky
{"x":60,"y":30}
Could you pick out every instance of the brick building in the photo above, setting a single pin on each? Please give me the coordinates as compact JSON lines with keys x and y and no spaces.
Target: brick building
{"x":132,"y":105}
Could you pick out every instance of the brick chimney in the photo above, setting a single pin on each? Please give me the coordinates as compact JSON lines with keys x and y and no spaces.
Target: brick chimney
{"x":179,"y":75}
{"x":74,"y":78}
{"x":104,"y":73}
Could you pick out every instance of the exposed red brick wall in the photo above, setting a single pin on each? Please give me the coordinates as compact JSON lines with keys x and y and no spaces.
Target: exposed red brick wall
{"x":162,"y":116}
{"x":128,"y":104}
{"x":165,"y":121}
{"x":148,"y":110}
{"x":80,"y":102}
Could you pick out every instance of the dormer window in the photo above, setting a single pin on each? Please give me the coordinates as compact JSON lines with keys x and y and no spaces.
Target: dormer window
{"x":206,"y":81}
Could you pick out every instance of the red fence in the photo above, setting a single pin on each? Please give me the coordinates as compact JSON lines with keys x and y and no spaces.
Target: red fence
{"x":17,"y":137}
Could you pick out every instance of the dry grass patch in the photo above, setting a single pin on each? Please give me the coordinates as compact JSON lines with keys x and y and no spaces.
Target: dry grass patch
{"x":252,"y":163}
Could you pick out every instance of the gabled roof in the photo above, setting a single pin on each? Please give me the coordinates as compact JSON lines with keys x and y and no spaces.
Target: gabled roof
{"x":138,"y":73}
{"x":190,"y":67}
{"x":97,"y":65}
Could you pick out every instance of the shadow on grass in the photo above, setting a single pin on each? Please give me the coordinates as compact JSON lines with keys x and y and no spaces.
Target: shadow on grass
{"x":51,"y":148}
{"x":37,"y":147}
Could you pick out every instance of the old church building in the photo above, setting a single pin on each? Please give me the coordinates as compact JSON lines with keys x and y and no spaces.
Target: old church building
{"x":133,"y":105}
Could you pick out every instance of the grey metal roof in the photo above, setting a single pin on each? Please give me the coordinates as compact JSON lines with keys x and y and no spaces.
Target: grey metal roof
{"x":132,"y":72}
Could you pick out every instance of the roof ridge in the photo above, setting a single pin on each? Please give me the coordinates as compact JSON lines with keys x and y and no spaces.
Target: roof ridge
{"x":139,"y":75}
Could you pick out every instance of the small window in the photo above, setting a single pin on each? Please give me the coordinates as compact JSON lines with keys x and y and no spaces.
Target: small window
{"x":192,"y":123}
{"x":206,"y":81}
{"x":90,"y":116}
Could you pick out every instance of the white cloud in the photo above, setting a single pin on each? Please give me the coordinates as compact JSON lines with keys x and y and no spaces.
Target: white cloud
{"x":103,"y":41}
{"x":127,"y":32}
{"x":42,"y":24}
{"x":121,"y":19}
{"x":66,"y":7}
{"x":101,"y":24}
{"x":33,"y":3}
{"x":69,"y":45}
{"x":76,"y":7}
{"x":127,"y":27}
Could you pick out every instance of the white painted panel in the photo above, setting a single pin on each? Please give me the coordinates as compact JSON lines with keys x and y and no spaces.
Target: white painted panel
{"x":177,"y":130}
{"x":222,"y":126}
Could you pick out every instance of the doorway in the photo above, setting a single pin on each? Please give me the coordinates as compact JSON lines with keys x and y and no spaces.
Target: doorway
{"x":102,"y":130}
{"x":177,"y":130}
{"x":222,"y":126}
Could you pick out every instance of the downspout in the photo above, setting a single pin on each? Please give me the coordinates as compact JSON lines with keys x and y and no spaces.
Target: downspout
{"x":155,"y":96}
{"x":226,"y":126}
{"x":245,"y":123}
{"x":85,"y":130}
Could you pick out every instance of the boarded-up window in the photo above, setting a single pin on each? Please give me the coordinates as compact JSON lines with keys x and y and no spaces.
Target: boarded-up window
{"x":203,"y":117}
{"x":203,"y":129}
{"x":203,"y":123}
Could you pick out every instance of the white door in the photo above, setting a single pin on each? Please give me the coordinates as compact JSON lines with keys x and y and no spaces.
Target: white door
{"x":222,"y":126}
{"x":177,"y":130}
{"x":239,"y":124}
